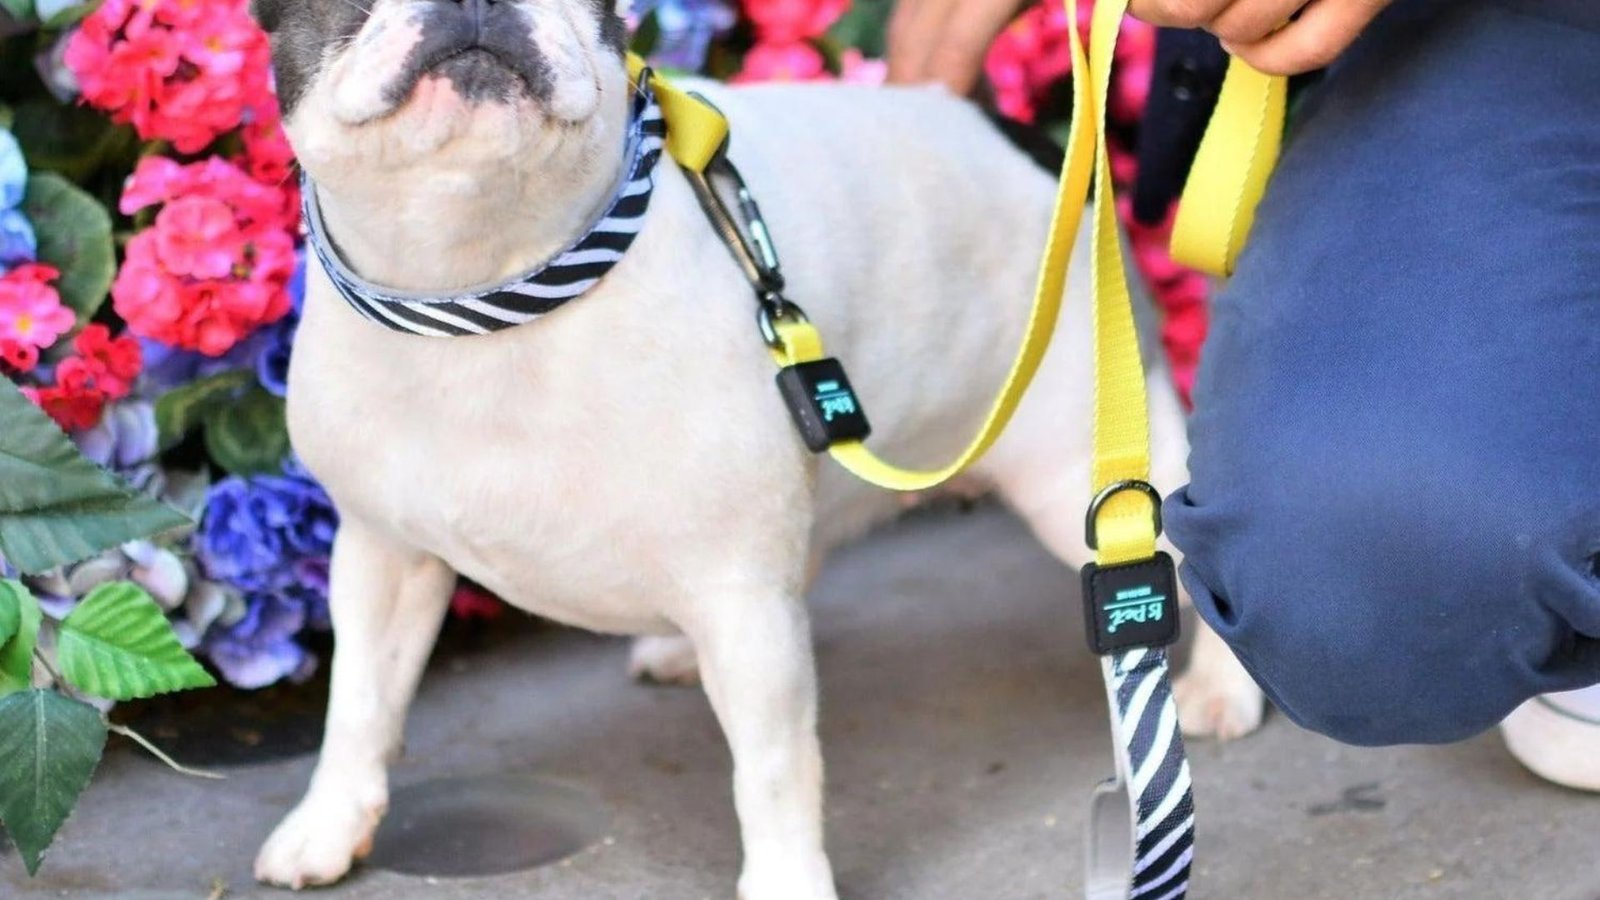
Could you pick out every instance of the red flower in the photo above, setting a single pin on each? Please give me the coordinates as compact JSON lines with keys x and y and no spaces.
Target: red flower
{"x":472,"y":602}
{"x":17,"y":358}
{"x":73,"y":402}
{"x":112,"y":364}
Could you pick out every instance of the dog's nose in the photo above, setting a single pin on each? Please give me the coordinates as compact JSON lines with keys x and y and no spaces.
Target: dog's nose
{"x":477,"y":10}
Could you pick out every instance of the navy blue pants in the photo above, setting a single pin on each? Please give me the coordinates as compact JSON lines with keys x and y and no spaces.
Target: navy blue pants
{"x":1394,"y":509}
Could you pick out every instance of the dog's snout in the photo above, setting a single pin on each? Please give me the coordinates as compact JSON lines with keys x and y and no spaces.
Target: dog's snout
{"x":475,"y":10}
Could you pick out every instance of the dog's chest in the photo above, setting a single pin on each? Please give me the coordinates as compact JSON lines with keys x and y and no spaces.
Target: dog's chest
{"x":503,"y":462}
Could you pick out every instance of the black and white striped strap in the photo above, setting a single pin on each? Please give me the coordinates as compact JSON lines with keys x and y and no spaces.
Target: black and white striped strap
{"x":532,"y":294}
{"x":1150,"y":799}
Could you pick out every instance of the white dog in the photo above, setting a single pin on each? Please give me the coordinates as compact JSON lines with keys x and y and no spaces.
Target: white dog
{"x":625,"y":464}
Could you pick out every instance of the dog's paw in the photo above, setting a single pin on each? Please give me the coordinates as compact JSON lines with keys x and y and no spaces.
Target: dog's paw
{"x":809,"y":881}
{"x":318,"y":842}
{"x":664,"y":659}
{"x":1218,"y":700}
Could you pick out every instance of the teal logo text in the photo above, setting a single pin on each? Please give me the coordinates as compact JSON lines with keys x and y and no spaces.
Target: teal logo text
{"x":1141,"y":604}
{"x":834,"y":400}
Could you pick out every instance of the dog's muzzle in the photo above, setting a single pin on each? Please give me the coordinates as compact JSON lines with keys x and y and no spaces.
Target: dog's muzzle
{"x":484,"y":47}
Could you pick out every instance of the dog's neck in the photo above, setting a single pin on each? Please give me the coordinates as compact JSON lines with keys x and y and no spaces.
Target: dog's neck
{"x":439,"y":231}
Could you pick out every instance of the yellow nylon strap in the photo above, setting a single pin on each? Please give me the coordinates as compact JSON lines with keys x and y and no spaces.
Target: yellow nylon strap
{"x":1126,"y":523}
{"x":1230,"y":171}
{"x":695,"y":131}
{"x":802,"y":343}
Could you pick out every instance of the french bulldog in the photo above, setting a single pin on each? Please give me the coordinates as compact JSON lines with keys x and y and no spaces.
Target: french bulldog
{"x":625,"y":463}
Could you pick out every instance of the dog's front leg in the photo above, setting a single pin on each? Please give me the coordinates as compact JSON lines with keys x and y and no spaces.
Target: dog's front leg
{"x":756,"y":663}
{"x":387,"y":603}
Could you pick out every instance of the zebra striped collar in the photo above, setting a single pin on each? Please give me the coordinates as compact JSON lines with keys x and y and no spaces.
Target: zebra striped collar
{"x":528,"y":296}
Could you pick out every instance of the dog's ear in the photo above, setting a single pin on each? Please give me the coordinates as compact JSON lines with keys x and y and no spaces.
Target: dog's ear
{"x":268,"y":13}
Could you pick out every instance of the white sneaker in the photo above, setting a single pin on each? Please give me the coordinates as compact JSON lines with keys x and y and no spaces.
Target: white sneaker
{"x":1557,"y":736}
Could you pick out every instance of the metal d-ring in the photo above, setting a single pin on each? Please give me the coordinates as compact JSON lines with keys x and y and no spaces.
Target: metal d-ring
{"x":1111,"y":490}
{"x":772,"y":309}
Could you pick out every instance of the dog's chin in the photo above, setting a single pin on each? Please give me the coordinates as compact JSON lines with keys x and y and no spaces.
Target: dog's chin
{"x":477,"y":77}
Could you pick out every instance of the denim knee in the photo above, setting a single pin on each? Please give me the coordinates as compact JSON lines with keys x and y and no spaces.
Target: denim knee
{"x":1390,"y":602}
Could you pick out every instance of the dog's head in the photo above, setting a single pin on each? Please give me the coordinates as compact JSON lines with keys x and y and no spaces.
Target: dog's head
{"x":374,"y":89}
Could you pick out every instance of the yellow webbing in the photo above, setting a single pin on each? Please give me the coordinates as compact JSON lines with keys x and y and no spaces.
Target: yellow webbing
{"x":1126,"y":529}
{"x":1230,"y":172}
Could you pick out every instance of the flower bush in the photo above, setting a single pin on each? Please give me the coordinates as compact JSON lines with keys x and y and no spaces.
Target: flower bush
{"x":142,"y":162}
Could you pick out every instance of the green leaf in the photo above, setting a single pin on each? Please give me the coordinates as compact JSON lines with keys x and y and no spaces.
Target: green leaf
{"x":181,"y":410}
{"x":56,"y":506}
{"x":74,"y":236}
{"x":647,"y":35}
{"x":21,"y":10}
{"x":10,"y":609}
{"x":70,"y":14}
{"x":865,"y":26}
{"x":117,"y":644}
{"x":251,"y":436}
{"x":70,"y":140}
{"x":49,"y":747}
{"x":16,"y":651}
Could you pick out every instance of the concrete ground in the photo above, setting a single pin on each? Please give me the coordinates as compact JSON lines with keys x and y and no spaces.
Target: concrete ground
{"x":963,"y":724}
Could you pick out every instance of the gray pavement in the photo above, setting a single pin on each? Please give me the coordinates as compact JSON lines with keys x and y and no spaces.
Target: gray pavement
{"x":963,"y":724}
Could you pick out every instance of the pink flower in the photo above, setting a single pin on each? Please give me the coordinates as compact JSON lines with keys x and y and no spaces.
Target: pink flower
{"x":857,"y":69}
{"x":185,"y":71}
{"x":198,"y":237}
{"x":216,"y":264}
{"x":791,"y":21}
{"x":31,"y":312}
{"x":797,"y":61}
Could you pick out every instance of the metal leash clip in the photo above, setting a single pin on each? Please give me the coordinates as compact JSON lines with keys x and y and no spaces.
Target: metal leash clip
{"x":819,"y":395}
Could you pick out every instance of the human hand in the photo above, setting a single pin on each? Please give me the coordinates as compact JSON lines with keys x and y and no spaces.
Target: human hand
{"x":945,"y":40}
{"x":1254,"y":30}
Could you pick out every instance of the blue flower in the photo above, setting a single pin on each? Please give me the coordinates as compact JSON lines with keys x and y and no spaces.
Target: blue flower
{"x":18,"y":244}
{"x":126,"y":436}
{"x":267,"y":533}
{"x":272,"y":366}
{"x":260,"y":649}
{"x":687,"y":29}
{"x":13,"y":171}
{"x":167,"y":367}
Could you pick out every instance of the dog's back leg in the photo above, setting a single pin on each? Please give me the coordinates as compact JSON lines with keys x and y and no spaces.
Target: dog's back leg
{"x":387,"y":603}
{"x":1041,"y":469}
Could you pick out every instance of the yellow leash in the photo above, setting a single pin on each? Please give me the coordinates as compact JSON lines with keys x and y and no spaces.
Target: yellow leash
{"x":1141,"y":824}
{"x":1230,"y":171}
{"x":1229,"y":175}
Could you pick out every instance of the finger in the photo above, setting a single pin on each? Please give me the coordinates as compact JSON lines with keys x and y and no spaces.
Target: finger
{"x":1323,"y":31}
{"x":1249,"y":21}
{"x":913,"y":31}
{"x":1179,"y":13}
{"x":958,"y":56}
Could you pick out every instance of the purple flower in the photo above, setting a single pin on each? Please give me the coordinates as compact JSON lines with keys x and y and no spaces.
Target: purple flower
{"x":126,"y":436}
{"x":13,"y":171}
{"x":18,"y":244}
{"x":687,"y":29}
{"x":272,"y":366}
{"x":260,"y":649}
{"x":258,"y":533}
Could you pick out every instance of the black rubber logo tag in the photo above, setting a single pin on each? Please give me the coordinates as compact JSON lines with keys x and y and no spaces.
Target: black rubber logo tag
{"x":823,"y":404}
{"x":1133,"y":605}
